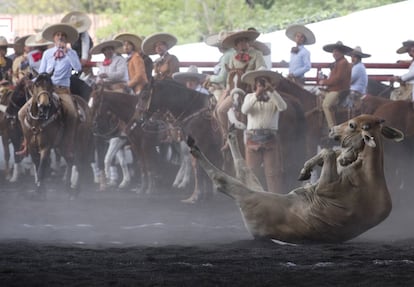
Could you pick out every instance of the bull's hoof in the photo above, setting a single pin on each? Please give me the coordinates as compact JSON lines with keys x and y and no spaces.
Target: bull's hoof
{"x":304,"y":175}
{"x":190,"y":141}
{"x":190,"y":200}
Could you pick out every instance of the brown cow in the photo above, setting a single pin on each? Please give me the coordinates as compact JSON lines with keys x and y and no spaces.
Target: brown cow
{"x":350,"y":197}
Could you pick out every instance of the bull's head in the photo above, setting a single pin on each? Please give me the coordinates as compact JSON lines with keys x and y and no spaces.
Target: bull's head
{"x":359,"y":132}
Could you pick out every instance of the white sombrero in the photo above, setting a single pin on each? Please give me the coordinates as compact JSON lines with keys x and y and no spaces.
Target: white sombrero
{"x":339,"y":46}
{"x":132,"y":38}
{"x":229,"y":40}
{"x":37,"y":40}
{"x":110,"y":43}
{"x":357,"y":51}
{"x":261,"y":47}
{"x":148,"y":45}
{"x":216,"y":40}
{"x":296,"y":28}
{"x":405,"y":46}
{"x":192,"y":72}
{"x":70,"y":31}
{"x":79,"y":20}
{"x":249,"y":77}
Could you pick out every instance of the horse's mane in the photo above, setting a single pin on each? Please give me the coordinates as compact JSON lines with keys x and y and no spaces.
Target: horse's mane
{"x":177,"y":98}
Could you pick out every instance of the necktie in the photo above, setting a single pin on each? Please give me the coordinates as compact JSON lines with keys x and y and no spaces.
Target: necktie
{"x":107,"y":62}
{"x":59,"y":54}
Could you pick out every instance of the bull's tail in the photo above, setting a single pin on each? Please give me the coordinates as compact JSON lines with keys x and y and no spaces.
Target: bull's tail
{"x":223,"y":182}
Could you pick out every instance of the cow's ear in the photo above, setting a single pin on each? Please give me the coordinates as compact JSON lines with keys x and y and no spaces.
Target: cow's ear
{"x":369,"y":140}
{"x":392,"y":133}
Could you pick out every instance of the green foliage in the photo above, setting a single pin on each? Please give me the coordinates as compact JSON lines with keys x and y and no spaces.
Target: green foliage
{"x":190,"y":20}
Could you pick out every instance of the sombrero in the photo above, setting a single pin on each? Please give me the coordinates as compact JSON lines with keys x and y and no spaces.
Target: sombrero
{"x":216,"y":40}
{"x":132,"y":38}
{"x":339,"y":46}
{"x":357,"y":51}
{"x":261,"y":47}
{"x":21,"y":41}
{"x":192,"y":72}
{"x":37,"y":40}
{"x":79,"y":20}
{"x":4,"y":43}
{"x":229,"y":40}
{"x":39,"y":30}
{"x":110,"y":43}
{"x":249,"y":77}
{"x":296,"y":28}
{"x":148,"y":45}
{"x":70,"y":31}
{"x":405,"y":45}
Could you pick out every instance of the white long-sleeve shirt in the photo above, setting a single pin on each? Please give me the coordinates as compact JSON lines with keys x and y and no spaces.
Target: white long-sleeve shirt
{"x":263,"y":115}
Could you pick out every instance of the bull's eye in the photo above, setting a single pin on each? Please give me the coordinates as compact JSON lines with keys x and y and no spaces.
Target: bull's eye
{"x":352,"y":125}
{"x":366,"y":127}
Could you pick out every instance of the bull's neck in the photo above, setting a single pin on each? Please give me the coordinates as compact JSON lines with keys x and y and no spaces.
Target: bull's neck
{"x":373,"y":160}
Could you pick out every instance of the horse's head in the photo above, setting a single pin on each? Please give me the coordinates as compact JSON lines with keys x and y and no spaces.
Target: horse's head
{"x":42,"y":93}
{"x":234,"y":78}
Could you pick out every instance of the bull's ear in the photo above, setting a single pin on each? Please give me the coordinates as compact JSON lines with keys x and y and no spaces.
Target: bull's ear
{"x":392,"y":133}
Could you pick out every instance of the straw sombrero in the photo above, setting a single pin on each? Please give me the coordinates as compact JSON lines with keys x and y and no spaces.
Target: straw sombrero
{"x":110,"y":43}
{"x":249,"y":77}
{"x":262,"y":47}
{"x":4,"y":43}
{"x":216,"y":40}
{"x":357,"y":51}
{"x":70,"y":31}
{"x":339,"y":46}
{"x":37,"y":40}
{"x":79,"y":20}
{"x":229,"y":40}
{"x":21,"y":41}
{"x":405,"y":46}
{"x":192,"y":72}
{"x":148,"y":45}
{"x":296,"y":28}
{"x":132,"y":38}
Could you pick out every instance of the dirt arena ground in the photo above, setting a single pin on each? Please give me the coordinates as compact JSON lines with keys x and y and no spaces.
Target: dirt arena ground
{"x":124,"y":239}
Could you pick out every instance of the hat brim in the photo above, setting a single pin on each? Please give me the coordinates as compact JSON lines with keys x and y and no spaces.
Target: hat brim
{"x":249,"y":77}
{"x":81,"y":26}
{"x":229,"y":40}
{"x":37,"y":40}
{"x":134,"y":39}
{"x":183,"y":76}
{"x":292,"y":30}
{"x":358,"y":54}
{"x":213,"y":40}
{"x":22,"y":40}
{"x":70,"y":31}
{"x":330,"y":47}
{"x":405,"y":47}
{"x":148,"y":45}
{"x":262,"y":47}
{"x":111,"y":43}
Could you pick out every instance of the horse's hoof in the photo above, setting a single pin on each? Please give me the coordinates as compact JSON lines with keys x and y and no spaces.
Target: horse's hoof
{"x":124,"y":184}
{"x":190,"y":200}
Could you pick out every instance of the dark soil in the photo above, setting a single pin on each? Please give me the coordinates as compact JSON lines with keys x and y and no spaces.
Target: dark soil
{"x":124,"y":239}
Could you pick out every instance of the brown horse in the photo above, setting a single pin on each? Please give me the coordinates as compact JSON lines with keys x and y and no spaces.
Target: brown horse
{"x":146,"y":126}
{"x":10,"y":132}
{"x":44,"y":128}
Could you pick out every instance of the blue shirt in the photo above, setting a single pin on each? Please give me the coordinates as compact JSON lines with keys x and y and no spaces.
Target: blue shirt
{"x":300,"y":62}
{"x":359,"y":78}
{"x":61,"y":68}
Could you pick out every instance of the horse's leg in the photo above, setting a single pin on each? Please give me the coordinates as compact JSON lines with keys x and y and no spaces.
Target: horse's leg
{"x":196,"y":193}
{"x":16,"y":139}
{"x":183,"y":175}
{"x":6,"y":151}
{"x":100,"y":148}
{"x":124,"y":166}
{"x":42,"y":169}
{"x":109,"y":157}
